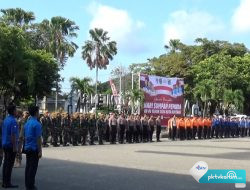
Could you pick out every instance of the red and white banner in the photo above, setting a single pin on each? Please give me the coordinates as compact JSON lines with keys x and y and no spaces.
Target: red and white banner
{"x":113,"y":88}
{"x":162,"y":96}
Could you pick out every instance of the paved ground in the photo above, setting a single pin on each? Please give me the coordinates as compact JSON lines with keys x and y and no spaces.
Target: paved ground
{"x":156,"y":166}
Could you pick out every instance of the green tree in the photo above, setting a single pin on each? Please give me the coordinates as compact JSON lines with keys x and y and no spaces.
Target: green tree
{"x":26,"y":72}
{"x":17,"y":17}
{"x":98,"y":51}
{"x":82,"y":85}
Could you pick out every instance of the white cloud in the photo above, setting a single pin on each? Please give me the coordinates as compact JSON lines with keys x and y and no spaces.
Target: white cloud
{"x":119,"y":24}
{"x":241,"y":17}
{"x":187,"y":26}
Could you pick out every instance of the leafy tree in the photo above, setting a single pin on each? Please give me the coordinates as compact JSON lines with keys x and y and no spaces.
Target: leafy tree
{"x":26,"y":72}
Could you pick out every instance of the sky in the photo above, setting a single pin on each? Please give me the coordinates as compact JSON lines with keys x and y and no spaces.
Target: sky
{"x":141,"y":28}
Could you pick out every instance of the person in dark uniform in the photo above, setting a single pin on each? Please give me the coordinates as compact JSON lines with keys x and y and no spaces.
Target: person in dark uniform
{"x":92,"y":129}
{"x":144,"y":123}
{"x":32,"y":147}
{"x":151,"y":125}
{"x":75,"y":129}
{"x":122,"y":122}
{"x":10,"y":135}
{"x":158,"y":128}
{"x":131,"y":125}
{"x":66,"y":129}
{"x":107,"y":132}
{"x":101,"y":128}
{"x":59,"y":127}
{"x":137,"y":129}
{"x":54,"y":130}
{"x":113,"y":128}
{"x":45,"y":121}
{"x":84,"y":128}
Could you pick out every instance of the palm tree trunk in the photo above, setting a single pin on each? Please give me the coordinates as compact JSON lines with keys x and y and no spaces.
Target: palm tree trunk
{"x":96,"y":92}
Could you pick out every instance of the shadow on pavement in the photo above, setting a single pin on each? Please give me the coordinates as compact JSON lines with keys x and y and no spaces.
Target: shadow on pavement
{"x":229,"y":156}
{"x":67,"y":175}
{"x":205,"y":146}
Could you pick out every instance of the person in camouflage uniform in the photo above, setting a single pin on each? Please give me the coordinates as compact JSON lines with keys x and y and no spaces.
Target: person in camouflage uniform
{"x":54,"y":129}
{"x":92,"y":129}
{"x":83,"y":128}
{"x":101,"y":128}
{"x":66,"y":129}
{"x":21,"y":122}
{"x":75,"y":129}
{"x":59,"y":127}
{"x":46,"y":122}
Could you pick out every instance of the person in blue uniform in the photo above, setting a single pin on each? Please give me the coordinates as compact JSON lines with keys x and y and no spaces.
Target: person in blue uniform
{"x":232,"y":124}
{"x":222,"y":127}
{"x":1,"y":148}
{"x":242,"y":127}
{"x":227,"y":127}
{"x":10,"y":135}
{"x":217,"y":126}
{"x":32,"y":147}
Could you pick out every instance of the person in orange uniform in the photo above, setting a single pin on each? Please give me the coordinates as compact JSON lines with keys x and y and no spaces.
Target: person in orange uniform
{"x":209,"y":124}
{"x":200,"y":127}
{"x":181,"y":126}
{"x":188,"y":126}
{"x":205,"y":128}
{"x":194,"y":125}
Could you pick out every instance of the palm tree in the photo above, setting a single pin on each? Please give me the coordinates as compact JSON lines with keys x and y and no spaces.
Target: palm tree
{"x":82,"y":85}
{"x":135,"y":96}
{"x":98,"y":51}
{"x":56,"y":37}
{"x":17,"y":17}
{"x":233,"y":99}
{"x":174,"y":45}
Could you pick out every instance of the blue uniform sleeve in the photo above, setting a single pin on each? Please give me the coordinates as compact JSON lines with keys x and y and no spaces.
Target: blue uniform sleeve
{"x":38,"y":130}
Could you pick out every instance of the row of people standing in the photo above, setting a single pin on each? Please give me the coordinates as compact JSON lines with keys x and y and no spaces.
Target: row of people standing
{"x":208,"y":127}
{"x":64,"y":129}
{"x":16,"y":140}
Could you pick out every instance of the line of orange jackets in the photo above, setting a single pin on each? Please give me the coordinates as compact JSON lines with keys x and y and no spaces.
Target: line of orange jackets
{"x":191,"y":122}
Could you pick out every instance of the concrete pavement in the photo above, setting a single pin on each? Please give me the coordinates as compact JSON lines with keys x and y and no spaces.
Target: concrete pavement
{"x":163,"y":165}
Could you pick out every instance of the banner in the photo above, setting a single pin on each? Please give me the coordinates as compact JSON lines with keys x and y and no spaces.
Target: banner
{"x":113,"y":88}
{"x":162,"y":96}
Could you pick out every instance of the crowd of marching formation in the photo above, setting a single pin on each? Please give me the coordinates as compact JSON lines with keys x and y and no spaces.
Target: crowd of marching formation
{"x":208,"y":127}
{"x":81,"y":129}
